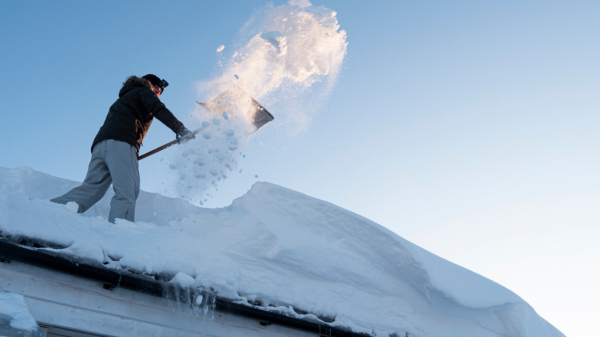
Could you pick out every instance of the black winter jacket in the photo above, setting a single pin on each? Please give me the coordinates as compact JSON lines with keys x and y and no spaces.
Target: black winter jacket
{"x":130,"y":117}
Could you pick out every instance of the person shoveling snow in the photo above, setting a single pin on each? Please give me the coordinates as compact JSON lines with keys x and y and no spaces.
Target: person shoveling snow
{"x":116,"y":147}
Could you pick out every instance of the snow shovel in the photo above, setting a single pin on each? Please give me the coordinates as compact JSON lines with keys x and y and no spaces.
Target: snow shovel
{"x":239,"y":100}
{"x":258,"y":114}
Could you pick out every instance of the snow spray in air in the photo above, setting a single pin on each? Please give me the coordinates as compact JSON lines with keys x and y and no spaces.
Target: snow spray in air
{"x":286,"y":57}
{"x":282,"y":53}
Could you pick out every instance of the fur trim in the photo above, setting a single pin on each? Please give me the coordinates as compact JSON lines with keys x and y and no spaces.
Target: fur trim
{"x":142,"y":81}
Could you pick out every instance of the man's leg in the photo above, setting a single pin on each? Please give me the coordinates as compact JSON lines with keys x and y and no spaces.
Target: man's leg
{"x":122,"y":162}
{"x":96,"y":183}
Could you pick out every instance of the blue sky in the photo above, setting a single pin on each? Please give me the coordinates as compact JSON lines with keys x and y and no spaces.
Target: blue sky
{"x":478,"y":120}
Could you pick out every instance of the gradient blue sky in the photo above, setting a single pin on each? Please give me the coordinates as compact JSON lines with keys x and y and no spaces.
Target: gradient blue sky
{"x":468,"y":127}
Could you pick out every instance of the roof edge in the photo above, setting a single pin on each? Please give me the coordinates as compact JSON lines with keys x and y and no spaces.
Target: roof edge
{"x":112,"y":279}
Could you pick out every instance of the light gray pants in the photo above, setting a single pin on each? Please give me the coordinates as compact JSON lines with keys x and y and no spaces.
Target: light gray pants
{"x":113,"y":162}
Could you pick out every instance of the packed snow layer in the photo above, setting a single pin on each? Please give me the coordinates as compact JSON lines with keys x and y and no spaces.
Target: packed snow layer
{"x":281,"y":249}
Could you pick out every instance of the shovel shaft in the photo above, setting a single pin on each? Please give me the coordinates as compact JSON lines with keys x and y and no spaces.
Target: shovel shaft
{"x":160,"y":148}
{"x":260,"y":117}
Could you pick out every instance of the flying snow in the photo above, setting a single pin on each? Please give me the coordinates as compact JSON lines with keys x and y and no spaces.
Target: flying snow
{"x":281,"y":53}
{"x":300,"y":3}
{"x":276,"y":39}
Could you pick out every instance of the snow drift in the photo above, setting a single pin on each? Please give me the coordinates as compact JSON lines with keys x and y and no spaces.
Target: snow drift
{"x":282,"y":250}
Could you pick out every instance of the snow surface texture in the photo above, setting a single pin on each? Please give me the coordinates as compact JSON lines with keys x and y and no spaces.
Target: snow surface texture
{"x":282,"y":249}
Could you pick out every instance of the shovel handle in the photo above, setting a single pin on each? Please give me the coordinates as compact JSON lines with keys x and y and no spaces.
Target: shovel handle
{"x":260,"y":117}
{"x":160,"y":148}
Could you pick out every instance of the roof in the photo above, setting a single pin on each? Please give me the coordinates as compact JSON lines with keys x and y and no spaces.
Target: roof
{"x":34,"y":252}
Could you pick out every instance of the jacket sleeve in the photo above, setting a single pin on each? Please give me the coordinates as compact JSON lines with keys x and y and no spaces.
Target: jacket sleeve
{"x":153,"y":105}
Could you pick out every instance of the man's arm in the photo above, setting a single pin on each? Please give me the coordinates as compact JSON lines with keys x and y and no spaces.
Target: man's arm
{"x":157,"y":108}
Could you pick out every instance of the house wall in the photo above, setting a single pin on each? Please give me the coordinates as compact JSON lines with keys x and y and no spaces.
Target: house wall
{"x":60,"y":300}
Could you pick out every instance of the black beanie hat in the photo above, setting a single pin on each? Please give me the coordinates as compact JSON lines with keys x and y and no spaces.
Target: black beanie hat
{"x":156,"y":81}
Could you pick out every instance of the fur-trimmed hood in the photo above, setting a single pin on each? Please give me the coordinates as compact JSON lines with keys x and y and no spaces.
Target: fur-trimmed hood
{"x":133,"y":82}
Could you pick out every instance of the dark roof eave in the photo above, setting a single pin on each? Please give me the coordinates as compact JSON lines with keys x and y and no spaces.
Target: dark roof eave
{"x":10,"y":250}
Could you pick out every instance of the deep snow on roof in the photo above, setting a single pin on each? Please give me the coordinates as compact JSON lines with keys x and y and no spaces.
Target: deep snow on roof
{"x":282,"y":249}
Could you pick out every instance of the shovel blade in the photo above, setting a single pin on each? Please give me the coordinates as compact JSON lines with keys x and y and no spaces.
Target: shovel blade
{"x":232,"y":102}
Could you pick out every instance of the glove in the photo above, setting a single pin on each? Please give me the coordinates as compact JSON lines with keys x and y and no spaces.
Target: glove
{"x":184,"y":135}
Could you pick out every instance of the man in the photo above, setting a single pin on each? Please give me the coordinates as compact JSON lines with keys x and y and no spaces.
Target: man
{"x":116,"y":147}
